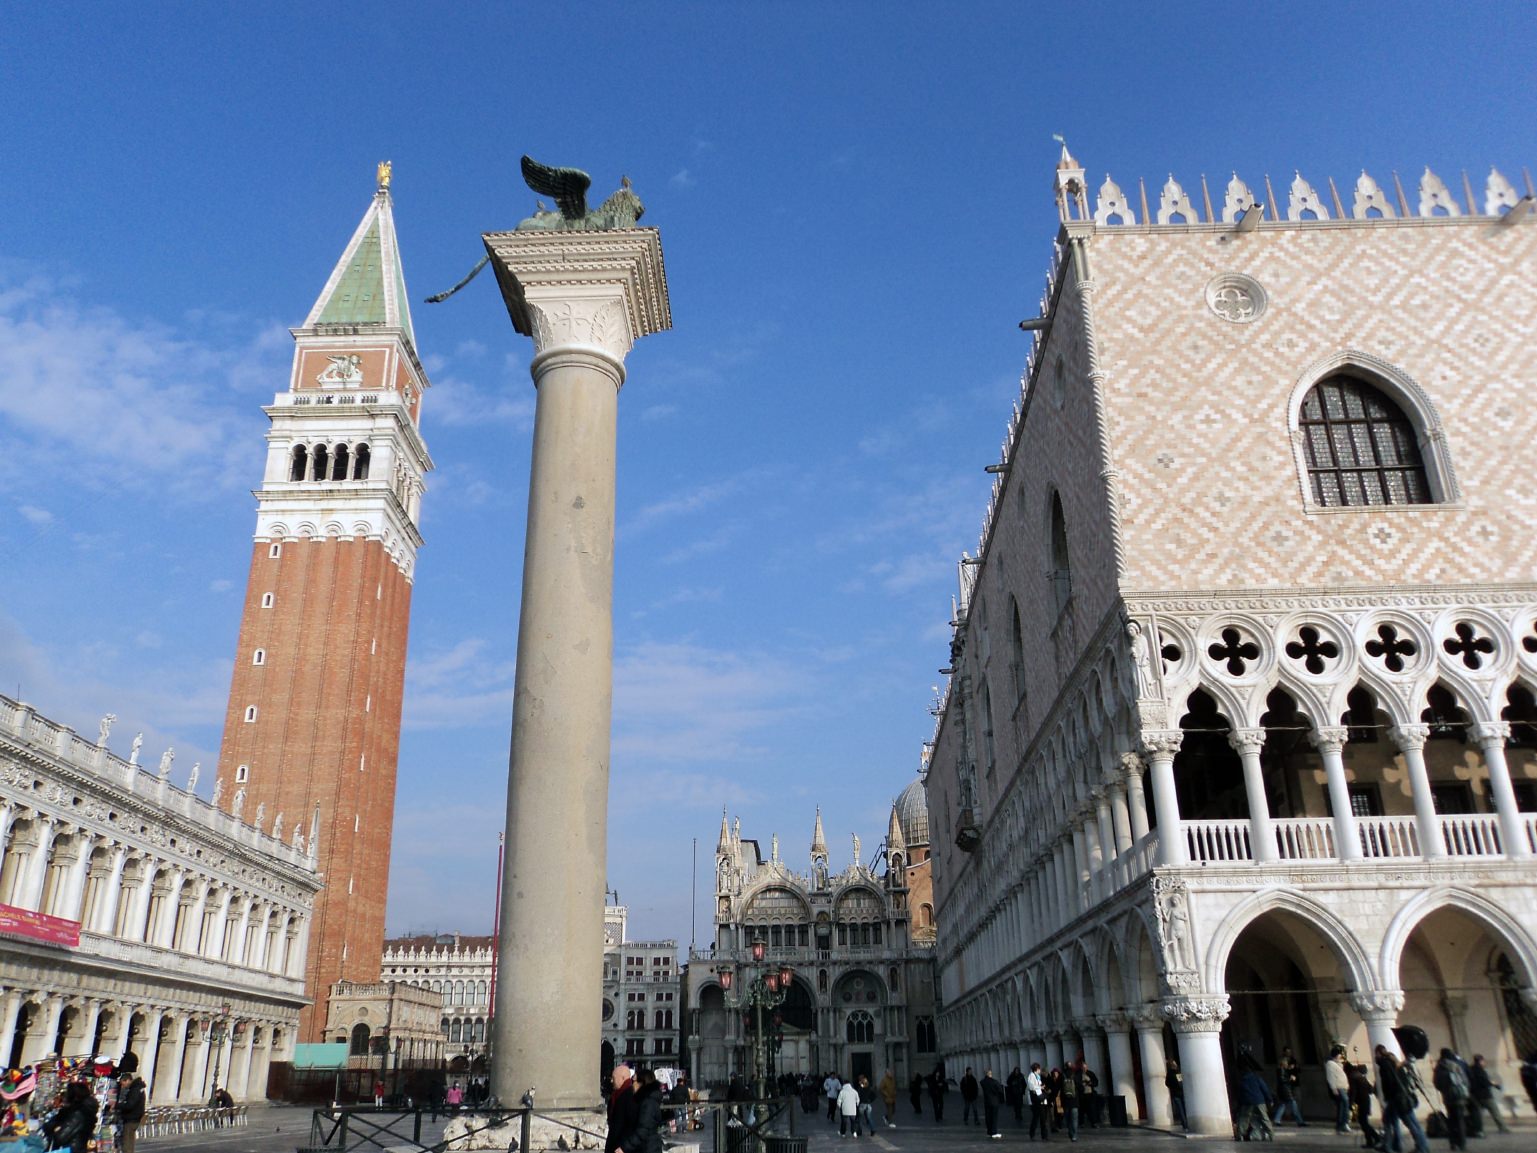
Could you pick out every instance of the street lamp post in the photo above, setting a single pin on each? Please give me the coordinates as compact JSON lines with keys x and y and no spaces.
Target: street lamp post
{"x":217,"y":1031}
{"x":763,"y":987}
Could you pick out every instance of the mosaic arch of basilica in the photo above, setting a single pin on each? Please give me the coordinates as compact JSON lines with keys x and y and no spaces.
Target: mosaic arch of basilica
{"x":1239,"y":744}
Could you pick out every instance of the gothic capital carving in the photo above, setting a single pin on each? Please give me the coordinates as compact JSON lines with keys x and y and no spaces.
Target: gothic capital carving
{"x":1112,"y":1022}
{"x":1329,"y":738}
{"x":1145,"y":1016}
{"x":1491,"y":733}
{"x":1378,"y":1005}
{"x":1196,"y":1014}
{"x":1409,"y":737}
{"x":1247,"y":740}
{"x":1158,"y":743}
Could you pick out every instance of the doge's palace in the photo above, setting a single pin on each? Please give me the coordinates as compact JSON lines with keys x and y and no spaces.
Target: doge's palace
{"x":137,"y":915}
{"x":1238,"y":750}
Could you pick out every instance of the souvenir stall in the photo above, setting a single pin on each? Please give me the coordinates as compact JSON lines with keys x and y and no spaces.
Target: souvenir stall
{"x":30,"y":1096}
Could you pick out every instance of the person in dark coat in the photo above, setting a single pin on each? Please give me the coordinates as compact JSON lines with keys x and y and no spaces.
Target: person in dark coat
{"x":1484,"y":1089}
{"x":915,"y":1093}
{"x":130,"y":1110}
{"x":938,"y":1087}
{"x":1361,"y":1098}
{"x":969,"y":1089}
{"x":622,"y":1108}
{"x":1014,"y":1093}
{"x":1398,"y":1103}
{"x":1254,"y":1101}
{"x":646,"y":1137}
{"x":1451,"y":1081}
{"x":1174,"y":1082}
{"x":75,"y":1124}
{"x":992,"y":1101}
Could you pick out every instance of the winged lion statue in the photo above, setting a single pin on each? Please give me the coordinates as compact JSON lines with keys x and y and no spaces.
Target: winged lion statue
{"x":568,"y":187}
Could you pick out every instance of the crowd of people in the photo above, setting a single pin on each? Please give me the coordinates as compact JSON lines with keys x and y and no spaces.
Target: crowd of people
{"x":1391,"y":1087}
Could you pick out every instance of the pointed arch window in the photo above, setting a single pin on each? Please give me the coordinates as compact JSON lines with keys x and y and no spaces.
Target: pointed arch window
{"x":360,"y":462}
{"x":1061,"y":569}
{"x":1017,"y":651}
{"x":300,"y":462}
{"x":1360,"y":447}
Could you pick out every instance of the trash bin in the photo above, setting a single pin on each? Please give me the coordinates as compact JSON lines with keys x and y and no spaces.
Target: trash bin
{"x":739,"y":1139}
{"x":784,"y":1145}
{"x":1118,"y":1110}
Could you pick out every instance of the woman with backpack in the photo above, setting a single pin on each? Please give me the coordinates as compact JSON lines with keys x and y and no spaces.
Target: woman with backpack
{"x":1451,"y":1081}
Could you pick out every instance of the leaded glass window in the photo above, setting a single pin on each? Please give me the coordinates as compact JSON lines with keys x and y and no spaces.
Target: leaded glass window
{"x":1361,"y":449}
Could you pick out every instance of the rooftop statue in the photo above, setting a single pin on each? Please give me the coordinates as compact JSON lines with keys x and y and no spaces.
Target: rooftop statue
{"x":568,"y":187}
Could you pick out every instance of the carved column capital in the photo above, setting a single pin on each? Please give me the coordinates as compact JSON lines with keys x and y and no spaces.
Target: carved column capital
{"x":1112,"y":1022}
{"x":1409,"y":737}
{"x":1487,"y":734}
{"x":1131,"y":763}
{"x":1158,"y":743}
{"x":1329,"y":738}
{"x":1200,"y":1014}
{"x":1378,"y":1005}
{"x":1247,"y":740}
{"x":1145,"y":1017}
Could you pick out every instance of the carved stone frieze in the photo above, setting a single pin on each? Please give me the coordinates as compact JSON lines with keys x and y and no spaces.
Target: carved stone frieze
{"x":1196,"y":1014}
{"x":1379,"y":1004}
{"x":597,"y":323}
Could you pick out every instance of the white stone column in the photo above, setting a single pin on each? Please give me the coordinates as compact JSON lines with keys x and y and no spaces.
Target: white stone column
{"x":70,"y":901}
{"x":1108,"y":881}
{"x":1410,"y":740}
{"x":91,"y":1018}
{"x":154,"y":1020}
{"x":30,"y":892}
{"x":1149,"y":1027}
{"x":240,"y":1065}
{"x":1160,"y":745}
{"x":1380,"y":1010}
{"x":585,"y":298}
{"x":10,"y":1007}
{"x":1078,"y":888}
{"x":111,"y":893}
{"x":1054,"y":1050}
{"x":1136,"y":801}
{"x":1491,"y":737}
{"x":1248,"y":743}
{"x":44,"y":1029}
{"x":1330,"y":741}
{"x":1118,"y":1075}
{"x":1198,"y":1021}
{"x":168,"y":1084}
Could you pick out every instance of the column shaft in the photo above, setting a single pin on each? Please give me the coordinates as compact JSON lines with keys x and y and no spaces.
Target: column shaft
{"x":1262,"y":843}
{"x":1160,"y":748}
{"x":1347,"y":839}
{"x":1491,"y":739}
{"x":1206,"y":1098}
{"x":1411,"y":742}
{"x":1154,"y":1094}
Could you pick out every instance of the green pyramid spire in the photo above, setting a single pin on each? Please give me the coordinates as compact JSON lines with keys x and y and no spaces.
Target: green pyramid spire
{"x":368,"y":284}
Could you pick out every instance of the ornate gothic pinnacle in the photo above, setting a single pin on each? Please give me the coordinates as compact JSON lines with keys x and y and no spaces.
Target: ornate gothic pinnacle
{"x":818,"y":839}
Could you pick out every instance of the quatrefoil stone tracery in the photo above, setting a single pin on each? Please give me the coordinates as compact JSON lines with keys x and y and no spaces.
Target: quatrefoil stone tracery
{"x":1233,"y":650}
{"x":1469,"y":645}
{"x":1390,"y":647}
{"x":1313,"y":649}
{"x":1235,"y":297}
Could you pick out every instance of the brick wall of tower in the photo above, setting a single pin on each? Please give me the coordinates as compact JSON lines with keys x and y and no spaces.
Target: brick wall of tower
{"x":328,"y":700}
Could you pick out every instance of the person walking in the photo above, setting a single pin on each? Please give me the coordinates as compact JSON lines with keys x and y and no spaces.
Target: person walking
{"x":1035,"y":1090}
{"x":832,"y":1085}
{"x":1014,"y":1093}
{"x":888,"y":1091}
{"x":992,"y":1101}
{"x":1361,"y":1099}
{"x":646,"y":1134}
{"x":866,"y":1104}
{"x":1254,"y":1102}
{"x":1174,"y":1082}
{"x":1339,"y":1088}
{"x":848,"y":1109}
{"x":622,"y":1108}
{"x":969,"y":1113}
{"x":1072,"y":1093}
{"x":1288,"y":1088}
{"x":1399,"y":1102}
{"x":939,"y":1085}
{"x":1054,"y":1097}
{"x":915,"y":1093}
{"x":130,"y":1110}
{"x":1484,"y":1087}
{"x":1451,"y":1081}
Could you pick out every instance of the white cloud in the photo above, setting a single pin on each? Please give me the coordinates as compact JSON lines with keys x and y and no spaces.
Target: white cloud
{"x":36,"y":515}
{"x":220,"y":586}
{"x":658,"y":412}
{"x":129,"y":402}
{"x":682,"y":179}
{"x":454,"y":401}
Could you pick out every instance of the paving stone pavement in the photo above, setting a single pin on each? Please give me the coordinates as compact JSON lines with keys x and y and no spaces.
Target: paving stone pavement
{"x":283,"y":1129}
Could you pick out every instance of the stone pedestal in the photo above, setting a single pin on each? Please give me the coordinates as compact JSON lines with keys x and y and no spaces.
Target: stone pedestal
{"x":585,"y":298}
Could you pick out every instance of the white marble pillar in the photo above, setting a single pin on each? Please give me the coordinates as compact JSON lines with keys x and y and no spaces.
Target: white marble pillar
{"x":1411,"y":742}
{"x":105,"y":919}
{"x":1136,"y":800}
{"x":90,"y":1018}
{"x":30,"y":891}
{"x":1108,"y":882}
{"x":1119,"y":1076}
{"x":45,"y":1027}
{"x":1198,"y":1021}
{"x":1491,"y":737}
{"x":169,"y":1064}
{"x":10,"y":1007}
{"x":1262,"y":842}
{"x":1149,"y":1027}
{"x":1078,"y":844}
{"x":585,"y":298}
{"x":1330,"y":742}
{"x":1160,"y":745}
{"x":1053,"y":1050}
{"x":1380,"y":1010}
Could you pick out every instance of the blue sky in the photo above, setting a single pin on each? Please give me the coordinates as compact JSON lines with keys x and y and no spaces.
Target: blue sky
{"x":855,"y":205}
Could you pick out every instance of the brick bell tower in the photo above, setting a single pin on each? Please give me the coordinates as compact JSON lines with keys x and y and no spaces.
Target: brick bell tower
{"x":313,"y":724}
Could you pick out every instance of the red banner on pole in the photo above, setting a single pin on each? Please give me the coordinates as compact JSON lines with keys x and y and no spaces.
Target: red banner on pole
{"x":32,"y":926}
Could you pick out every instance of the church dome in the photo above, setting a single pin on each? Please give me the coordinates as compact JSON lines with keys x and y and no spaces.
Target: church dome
{"x":913,"y":814}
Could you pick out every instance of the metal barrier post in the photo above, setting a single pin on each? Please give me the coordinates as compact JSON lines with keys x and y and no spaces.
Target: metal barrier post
{"x":343,"y":1145}
{"x":416,"y":1130}
{"x":527,"y":1129}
